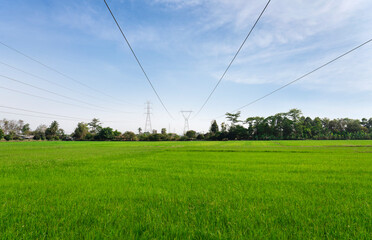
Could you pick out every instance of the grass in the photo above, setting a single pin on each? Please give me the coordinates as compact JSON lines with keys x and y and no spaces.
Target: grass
{"x":186,"y":190}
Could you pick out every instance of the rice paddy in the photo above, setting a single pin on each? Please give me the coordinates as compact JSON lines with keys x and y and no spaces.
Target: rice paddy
{"x":186,"y":190}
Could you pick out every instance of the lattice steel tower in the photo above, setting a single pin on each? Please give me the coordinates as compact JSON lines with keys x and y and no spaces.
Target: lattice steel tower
{"x":148,"y":127}
{"x":186,"y":115}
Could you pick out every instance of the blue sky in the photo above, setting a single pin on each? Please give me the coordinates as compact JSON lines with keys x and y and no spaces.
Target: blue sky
{"x":185,"y":46}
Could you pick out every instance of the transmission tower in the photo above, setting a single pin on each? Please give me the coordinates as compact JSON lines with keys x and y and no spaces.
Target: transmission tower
{"x":186,"y":115}
{"x":148,"y":127}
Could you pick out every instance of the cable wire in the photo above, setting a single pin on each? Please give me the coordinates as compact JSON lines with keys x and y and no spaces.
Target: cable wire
{"x":54,"y":93}
{"x":303,"y":76}
{"x":228,"y":67}
{"x":28,"y":115}
{"x":52,"y":100}
{"x":43,"y":79}
{"x":139,"y":63}
{"x":48,"y":91}
{"x":48,"y":114}
{"x":59,"y":118}
{"x":59,"y":72}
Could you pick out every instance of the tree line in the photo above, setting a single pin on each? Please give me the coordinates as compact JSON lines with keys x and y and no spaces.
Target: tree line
{"x":291,"y":125}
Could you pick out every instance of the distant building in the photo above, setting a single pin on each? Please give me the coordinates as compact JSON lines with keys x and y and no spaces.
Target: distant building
{"x":26,"y":137}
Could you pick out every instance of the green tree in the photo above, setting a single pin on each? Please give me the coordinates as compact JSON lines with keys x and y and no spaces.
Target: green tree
{"x":277,"y":125}
{"x":214,"y":128}
{"x":238,"y":133}
{"x":353,"y":126}
{"x":26,"y":129}
{"x":129,"y":136}
{"x":154,"y":137}
{"x":1,"y":134}
{"x":287,"y":128}
{"x":95,"y":126}
{"x":39,"y":133}
{"x":51,"y":131}
{"x":317,"y":127}
{"x":116,"y":133}
{"x":9,"y":136}
{"x":295,"y":114}
{"x":105,"y":134}
{"x":233,"y":117}
{"x":61,"y":134}
{"x":307,"y":128}
{"x":258,"y":129}
{"x":200,"y":136}
{"x":11,"y":127}
{"x":191,"y":134}
{"x":81,"y":131}
{"x":143,"y":137}
{"x":223,"y":127}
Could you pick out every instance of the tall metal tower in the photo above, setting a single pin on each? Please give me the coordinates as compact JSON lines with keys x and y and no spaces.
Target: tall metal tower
{"x":186,"y":115}
{"x":148,"y":127}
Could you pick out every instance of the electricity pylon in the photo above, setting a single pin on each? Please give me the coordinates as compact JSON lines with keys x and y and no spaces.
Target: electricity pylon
{"x":186,"y":115}
{"x":148,"y":127}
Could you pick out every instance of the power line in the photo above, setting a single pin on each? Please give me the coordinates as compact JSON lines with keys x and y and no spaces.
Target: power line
{"x":51,"y":92}
{"x":48,"y":114}
{"x":43,"y":79}
{"x":303,"y":76}
{"x":139,"y":63}
{"x":58,"y":118}
{"x":49,"y":99}
{"x":28,"y":115}
{"x":58,"y":72}
{"x":228,"y":67}
{"x":29,"y":94}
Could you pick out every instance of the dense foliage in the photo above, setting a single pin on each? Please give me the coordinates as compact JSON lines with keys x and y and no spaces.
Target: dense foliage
{"x":291,"y":125}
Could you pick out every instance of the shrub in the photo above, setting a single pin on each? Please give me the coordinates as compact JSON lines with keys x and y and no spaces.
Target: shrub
{"x":8,"y":137}
{"x":105,"y":134}
{"x":129,"y":136}
{"x":155,"y":137}
{"x":200,"y":137}
{"x":1,"y":134}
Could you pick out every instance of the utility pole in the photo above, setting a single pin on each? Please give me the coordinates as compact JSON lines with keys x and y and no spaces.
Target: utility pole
{"x":186,"y":115}
{"x":148,"y":127}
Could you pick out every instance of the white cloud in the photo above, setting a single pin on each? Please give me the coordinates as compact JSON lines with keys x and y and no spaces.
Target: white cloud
{"x":295,"y":37}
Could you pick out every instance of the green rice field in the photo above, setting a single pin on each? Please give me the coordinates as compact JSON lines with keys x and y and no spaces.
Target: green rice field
{"x":186,"y":190}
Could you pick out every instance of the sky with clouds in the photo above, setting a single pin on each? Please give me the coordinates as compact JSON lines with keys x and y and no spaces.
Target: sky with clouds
{"x":184,"y":46}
